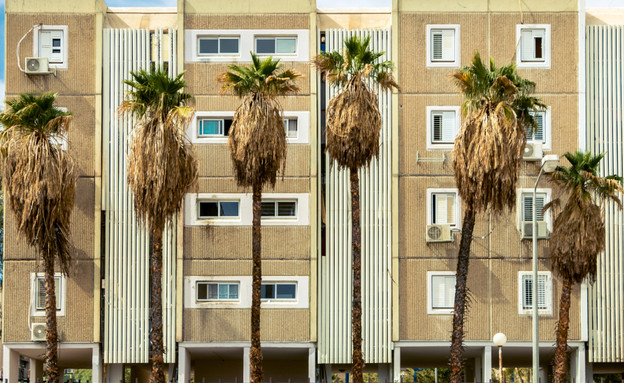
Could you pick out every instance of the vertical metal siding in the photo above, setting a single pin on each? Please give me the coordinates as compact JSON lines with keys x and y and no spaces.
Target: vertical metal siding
{"x":126,"y":285}
{"x":335,"y":275}
{"x":604,"y":75}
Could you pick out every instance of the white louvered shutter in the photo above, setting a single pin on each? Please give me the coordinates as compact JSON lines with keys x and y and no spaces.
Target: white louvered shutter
{"x":443,"y":291}
{"x":443,"y":45}
{"x":533,"y":44}
{"x":528,"y":207}
{"x":51,"y":45}
{"x":448,"y":126}
{"x":40,"y":294}
{"x":527,"y":292}
{"x":542,"y":282}
{"x":444,"y":208}
{"x":436,"y":45}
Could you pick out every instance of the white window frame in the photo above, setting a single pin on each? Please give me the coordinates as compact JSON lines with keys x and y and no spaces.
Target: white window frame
{"x":217,"y":283}
{"x":302,"y":300}
{"x":547,"y":46}
{"x":457,"y":46}
{"x":245,"y":209}
{"x":64,"y":44}
{"x":520,"y":205}
{"x":430,"y":309}
{"x":218,"y":38}
{"x":458,"y":212}
{"x":303,"y":127}
{"x":547,"y":144}
{"x":277,"y":201}
{"x":430,"y":111}
{"x":61,"y":299}
{"x":549,"y":305}
{"x":247,"y":44}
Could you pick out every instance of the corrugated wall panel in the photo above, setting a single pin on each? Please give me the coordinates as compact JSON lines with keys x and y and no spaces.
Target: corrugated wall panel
{"x":335,"y":275}
{"x":126,"y":287}
{"x":605,"y":128}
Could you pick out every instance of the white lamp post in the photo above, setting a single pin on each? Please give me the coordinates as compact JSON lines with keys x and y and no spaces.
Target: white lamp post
{"x":500,"y":339}
{"x":549,"y":163}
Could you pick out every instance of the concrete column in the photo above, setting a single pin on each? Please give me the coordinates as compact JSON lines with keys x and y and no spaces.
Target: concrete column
{"x":114,"y":373}
{"x":312,"y":364}
{"x":578,"y":365}
{"x":487,"y":364}
{"x":35,"y":370}
{"x":396,"y":364}
{"x":246,"y":366}
{"x":10,"y":365}
{"x":478,"y":368}
{"x":184,"y":365}
{"x":96,"y":365}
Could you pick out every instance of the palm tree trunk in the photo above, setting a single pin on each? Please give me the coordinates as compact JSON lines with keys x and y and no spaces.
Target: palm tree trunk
{"x":459,"y":310}
{"x":356,"y":250}
{"x":255,"y":352}
{"x":561,"y":352}
{"x":157,"y":348}
{"x":51,"y":356}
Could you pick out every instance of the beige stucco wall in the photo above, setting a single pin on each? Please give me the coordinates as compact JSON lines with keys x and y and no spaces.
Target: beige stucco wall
{"x":242,"y":7}
{"x":468,"y":6}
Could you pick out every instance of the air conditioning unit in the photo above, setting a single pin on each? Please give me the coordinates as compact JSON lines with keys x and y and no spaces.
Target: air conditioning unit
{"x":533,"y":151}
{"x":37,"y":65}
{"x":527,"y":230}
{"x":38,"y":332}
{"x":439,"y":233}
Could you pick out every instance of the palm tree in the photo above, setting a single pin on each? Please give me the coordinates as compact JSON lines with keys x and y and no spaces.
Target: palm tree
{"x":161,"y":169}
{"x":578,"y":234}
{"x":40,"y":183}
{"x":488,"y":152}
{"x":257,"y":142}
{"x":353,"y":125}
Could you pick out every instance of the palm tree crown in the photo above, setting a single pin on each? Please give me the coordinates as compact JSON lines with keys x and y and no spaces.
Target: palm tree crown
{"x":162,"y":166}
{"x":497,"y":112}
{"x":40,"y":177}
{"x":578,"y":233}
{"x":257,"y":137}
{"x":353,"y":117}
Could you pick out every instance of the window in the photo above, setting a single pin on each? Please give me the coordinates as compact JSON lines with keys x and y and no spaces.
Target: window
{"x":443,"y":45}
{"x":443,"y":207}
{"x":542,"y":134}
{"x":217,"y":209}
{"x":38,"y":298}
{"x":442,"y":126}
{"x":279,"y":291}
{"x":440,"y":292}
{"x":279,"y":209}
{"x":291,"y":127}
{"x":533,"y":45}
{"x":217,"y":291}
{"x":544,"y":292}
{"x":214,"y":45}
{"x":276,"y":45}
{"x":527,"y":206}
{"x":213,"y":127}
{"x":50,"y":41}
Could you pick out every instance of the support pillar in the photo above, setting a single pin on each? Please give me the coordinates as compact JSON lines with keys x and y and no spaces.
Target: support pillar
{"x":396,"y":364}
{"x":486,"y":371}
{"x":312,"y":364}
{"x":478,"y":368}
{"x":10,"y":365}
{"x":96,"y":365}
{"x":246,"y":366}
{"x":35,"y":370}
{"x":184,"y":365}
{"x":578,"y":364}
{"x":114,"y":373}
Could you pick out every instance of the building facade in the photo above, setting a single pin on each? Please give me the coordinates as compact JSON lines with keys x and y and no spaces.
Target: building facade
{"x":411,"y":213}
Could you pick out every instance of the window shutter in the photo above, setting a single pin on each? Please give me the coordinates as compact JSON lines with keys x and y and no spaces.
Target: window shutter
{"x":443,"y":291}
{"x":541,"y":291}
{"x":538,"y":44}
{"x":45,"y":44}
{"x":448,"y":45}
{"x":40,"y":293}
{"x":437,"y":45}
{"x":448,"y":126}
{"x":437,"y":127}
{"x":527,"y":292}
{"x":527,"y":47}
{"x":528,"y":207}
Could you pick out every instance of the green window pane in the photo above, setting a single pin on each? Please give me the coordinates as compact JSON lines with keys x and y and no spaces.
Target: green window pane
{"x":286,"y":46}
{"x":210,"y":127}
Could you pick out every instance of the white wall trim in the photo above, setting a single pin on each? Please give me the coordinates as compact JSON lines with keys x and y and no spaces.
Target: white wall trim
{"x":245,"y":209}
{"x":245,"y":285}
{"x":62,"y":292}
{"x":247,"y":44}
{"x":547,"y":46}
{"x":430,"y":309}
{"x":582,"y":134}
{"x":549,"y":293}
{"x":446,"y":108}
{"x":457,"y":45}
{"x":62,"y":28}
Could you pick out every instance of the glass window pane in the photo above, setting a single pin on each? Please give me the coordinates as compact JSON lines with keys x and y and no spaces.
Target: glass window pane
{"x":202,"y":291}
{"x":56,"y":42}
{"x":287,"y":209}
{"x":268,"y":209}
{"x":208,"y":209}
{"x":287,"y":45}
{"x":268,"y":291}
{"x":286,"y":291}
{"x":265,"y":46}
{"x":210,"y":127}
{"x":229,"y":209}
{"x":291,"y":128}
{"x":233,"y":291}
{"x":213,"y":291}
{"x":228,"y":45}
{"x":224,"y":291}
{"x":208,"y":46}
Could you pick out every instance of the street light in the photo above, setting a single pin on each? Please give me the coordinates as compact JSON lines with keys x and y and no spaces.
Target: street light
{"x":500,"y":339}
{"x":549,"y":163}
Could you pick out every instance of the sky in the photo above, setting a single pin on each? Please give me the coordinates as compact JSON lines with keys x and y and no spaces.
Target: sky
{"x":319,"y":4}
